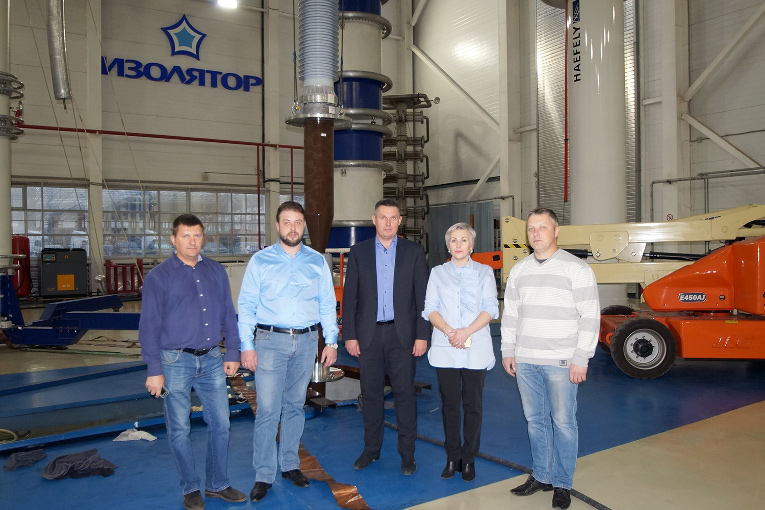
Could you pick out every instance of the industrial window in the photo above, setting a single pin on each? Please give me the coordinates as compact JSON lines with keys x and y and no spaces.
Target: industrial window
{"x":137,"y":223}
{"x":52,"y":217}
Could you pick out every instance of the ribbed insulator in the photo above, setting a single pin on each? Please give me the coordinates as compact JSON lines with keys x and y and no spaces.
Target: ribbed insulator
{"x":318,"y":36}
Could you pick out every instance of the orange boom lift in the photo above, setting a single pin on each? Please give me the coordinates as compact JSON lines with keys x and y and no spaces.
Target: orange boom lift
{"x":711,"y":309}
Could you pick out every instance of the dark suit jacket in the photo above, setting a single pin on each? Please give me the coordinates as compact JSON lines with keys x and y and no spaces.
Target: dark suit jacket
{"x":410,"y":281}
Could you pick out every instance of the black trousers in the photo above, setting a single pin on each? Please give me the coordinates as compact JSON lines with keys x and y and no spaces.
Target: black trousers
{"x":461,"y":388}
{"x":384,"y":356}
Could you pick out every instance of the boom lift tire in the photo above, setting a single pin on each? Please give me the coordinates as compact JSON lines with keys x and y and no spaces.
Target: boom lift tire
{"x":613,"y":310}
{"x":643,"y":348}
{"x":617,"y":310}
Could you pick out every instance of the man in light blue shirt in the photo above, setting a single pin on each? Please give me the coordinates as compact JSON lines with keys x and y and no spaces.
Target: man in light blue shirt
{"x":385,"y":262}
{"x":286,"y":292}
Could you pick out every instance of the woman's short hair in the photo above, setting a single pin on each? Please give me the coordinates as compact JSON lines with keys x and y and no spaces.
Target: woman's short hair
{"x":460,"y":226}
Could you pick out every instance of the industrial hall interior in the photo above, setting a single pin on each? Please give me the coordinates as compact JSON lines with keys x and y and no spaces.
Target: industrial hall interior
{"x":369,"y":235}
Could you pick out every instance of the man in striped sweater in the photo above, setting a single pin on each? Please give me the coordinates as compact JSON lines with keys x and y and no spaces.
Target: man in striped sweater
{"x":550,"y":330}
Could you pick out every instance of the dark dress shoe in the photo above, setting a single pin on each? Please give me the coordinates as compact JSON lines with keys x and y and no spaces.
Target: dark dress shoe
{"x":193,"y":501}
{"x":366,"y":459}
{"x":468,"y":471}
{"x":561,"y":498}
{"x":408,"y":466}
{"x":451,"y":467}
{"x":530,"y":486}
{"x":228,"y":494}
{"x":297,"y":477}
{"x":259,"y":491}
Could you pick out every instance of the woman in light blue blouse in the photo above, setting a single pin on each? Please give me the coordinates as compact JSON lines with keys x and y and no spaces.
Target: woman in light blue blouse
{"x":460,"y":302}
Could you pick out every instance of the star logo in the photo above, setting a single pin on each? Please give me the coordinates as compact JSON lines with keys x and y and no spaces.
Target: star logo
{"x":184,"y":38}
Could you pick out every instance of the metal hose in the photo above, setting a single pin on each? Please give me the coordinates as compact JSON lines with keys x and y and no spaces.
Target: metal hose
{"x":57,"y":49}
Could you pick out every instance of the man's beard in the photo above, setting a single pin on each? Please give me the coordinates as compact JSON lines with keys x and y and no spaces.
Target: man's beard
{"x":289,"y":243}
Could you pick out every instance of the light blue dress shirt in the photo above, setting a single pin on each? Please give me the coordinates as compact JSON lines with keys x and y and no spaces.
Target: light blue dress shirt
{"x":460,"y":294}
{"x":287,"y":292}
{"x":385,"y":261}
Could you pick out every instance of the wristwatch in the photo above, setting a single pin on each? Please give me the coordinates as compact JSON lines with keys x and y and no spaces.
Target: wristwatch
{"x":334,"y":345}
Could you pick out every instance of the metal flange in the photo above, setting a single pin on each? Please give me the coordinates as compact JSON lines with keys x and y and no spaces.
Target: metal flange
{"x":386,"y":83}
{"x":368,"y":17}
{"x":385,"y":131}
{"x":10,"y":85}
{"x":369,"y":113}
{"x":300,"y":119}
{"x":9,"y":127}
{"x":360,"y":163}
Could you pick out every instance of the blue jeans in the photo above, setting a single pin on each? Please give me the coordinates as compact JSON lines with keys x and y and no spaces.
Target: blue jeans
{"x":184,"y":371}
{"x":549,"y":404}
{"x":281,"y":379}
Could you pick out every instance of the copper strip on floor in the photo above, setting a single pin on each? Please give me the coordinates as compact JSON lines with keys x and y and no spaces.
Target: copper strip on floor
{"x":347,"y":496}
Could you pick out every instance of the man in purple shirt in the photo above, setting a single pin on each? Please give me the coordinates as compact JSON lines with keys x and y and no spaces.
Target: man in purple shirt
{"x":187,"y":310}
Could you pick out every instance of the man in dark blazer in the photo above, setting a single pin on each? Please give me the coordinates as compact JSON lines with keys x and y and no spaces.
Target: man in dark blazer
{"x":383,"y":300}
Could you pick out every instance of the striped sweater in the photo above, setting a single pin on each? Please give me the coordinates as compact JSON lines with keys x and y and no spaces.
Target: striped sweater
{"x":552,"y":312}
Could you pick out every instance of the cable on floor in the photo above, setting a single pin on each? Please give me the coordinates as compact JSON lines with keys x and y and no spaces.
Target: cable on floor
{"x":7,"y":436}
{"x":512,"y":465}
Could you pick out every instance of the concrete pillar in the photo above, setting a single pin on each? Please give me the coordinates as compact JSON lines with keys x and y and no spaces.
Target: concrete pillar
{"x":5,"y":143}
{"x":509,"y":104}
{"x":675,"y":77}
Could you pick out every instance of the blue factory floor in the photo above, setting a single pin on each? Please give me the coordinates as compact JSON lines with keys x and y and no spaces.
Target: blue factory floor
{"x":693,"y":438}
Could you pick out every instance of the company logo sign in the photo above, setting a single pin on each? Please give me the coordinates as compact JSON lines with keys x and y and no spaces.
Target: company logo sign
{"x":576,"y":42}
{"x":692,"y":297}
{"x":184,"y":40}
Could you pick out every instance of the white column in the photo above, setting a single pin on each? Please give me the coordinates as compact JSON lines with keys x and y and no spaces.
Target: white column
{"x":94,"y":152}
{"x":597,"y":119}
{"x":274,"y":118}
{"x":509,"y":103}
{"x":5,"y":143}
{"x":528,"y":98}
{"x":675,"y":152}
{"x":597,"y":123}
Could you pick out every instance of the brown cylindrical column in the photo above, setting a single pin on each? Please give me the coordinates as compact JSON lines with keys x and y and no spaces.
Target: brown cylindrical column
{"x":319,"y":140}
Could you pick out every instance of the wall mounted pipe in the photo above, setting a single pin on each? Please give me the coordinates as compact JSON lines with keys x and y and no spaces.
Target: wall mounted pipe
{"x":57,"y":49}
{"x":723,"y":174}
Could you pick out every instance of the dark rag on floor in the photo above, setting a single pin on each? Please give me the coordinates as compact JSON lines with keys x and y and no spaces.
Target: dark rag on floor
{"x":78,"y":465}
{"x":21,"y":459}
